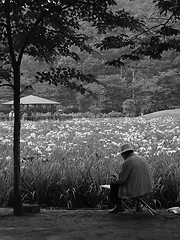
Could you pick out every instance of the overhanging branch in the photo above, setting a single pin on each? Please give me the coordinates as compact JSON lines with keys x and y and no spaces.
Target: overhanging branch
{"x":6,"y":85}
{"x":29,"y":86}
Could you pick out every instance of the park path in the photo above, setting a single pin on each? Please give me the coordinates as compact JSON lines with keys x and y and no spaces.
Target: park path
{"x":89,"y":225}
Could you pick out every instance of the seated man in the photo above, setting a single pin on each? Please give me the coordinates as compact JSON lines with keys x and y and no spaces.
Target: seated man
{"x":135,"y":179}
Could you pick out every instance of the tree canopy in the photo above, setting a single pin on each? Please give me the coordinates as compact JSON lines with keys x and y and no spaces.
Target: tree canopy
{"x":46,"y":29}
{"x":160,"y":33}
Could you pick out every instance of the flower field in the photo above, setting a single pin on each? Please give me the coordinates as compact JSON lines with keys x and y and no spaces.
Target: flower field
{"x":63,"y":163}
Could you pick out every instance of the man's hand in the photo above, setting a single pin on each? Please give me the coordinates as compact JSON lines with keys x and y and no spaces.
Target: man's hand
{"x":114,"y":178}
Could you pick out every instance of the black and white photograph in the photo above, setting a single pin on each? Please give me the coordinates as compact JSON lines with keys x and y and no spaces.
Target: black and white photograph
{"x":89,"y":119}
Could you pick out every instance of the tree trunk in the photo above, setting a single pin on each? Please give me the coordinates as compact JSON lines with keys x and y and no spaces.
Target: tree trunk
{"x":17,"y":204}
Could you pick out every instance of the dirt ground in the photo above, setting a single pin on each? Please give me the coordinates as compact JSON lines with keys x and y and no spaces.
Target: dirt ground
{"x":89,"y":225}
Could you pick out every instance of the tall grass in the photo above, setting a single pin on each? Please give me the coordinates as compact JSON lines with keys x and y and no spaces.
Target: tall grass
{"x":64,"y":163}
{"x":66,"y":182}
{"x":166,"y":171}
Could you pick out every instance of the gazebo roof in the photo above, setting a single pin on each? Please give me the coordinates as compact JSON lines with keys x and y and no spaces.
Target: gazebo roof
{"x":32,"y":100}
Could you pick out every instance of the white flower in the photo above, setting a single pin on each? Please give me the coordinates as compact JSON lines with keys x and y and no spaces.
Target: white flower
{"x":33,"y":135}
{"x":8,"y":158}
{"x":6,"y":140}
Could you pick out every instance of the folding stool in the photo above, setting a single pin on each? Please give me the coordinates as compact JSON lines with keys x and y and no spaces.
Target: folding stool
{"x":137,"y":201}
{"x":139,"y":204}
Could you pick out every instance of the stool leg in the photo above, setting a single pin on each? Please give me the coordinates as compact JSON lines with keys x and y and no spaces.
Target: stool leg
{"x":126,"y":206}
{"x":150,"y":210}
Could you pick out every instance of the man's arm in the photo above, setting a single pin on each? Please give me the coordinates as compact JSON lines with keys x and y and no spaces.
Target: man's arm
{"x":125,"y":172}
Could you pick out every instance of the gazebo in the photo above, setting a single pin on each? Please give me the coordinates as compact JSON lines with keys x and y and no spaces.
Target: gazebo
{"x":34,"y":100}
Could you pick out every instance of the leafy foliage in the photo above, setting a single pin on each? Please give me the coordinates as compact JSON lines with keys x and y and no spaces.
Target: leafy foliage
{"x":159,"y":33}
{"x":47,"y":29}
{"x":63,"y":76}
{"x":129,"y":108}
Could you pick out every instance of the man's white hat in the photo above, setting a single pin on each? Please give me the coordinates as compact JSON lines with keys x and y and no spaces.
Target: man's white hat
{"x":126,"y":147}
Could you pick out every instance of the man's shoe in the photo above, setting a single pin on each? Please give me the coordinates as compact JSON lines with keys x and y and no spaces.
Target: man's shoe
{"x":117,"y":209}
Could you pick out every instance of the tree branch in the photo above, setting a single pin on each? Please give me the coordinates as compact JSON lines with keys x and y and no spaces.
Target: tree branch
{"x":153,"y":27}
{"x":167,"y":20}
{"x":29,"y":86}
{"x":6,"y":85}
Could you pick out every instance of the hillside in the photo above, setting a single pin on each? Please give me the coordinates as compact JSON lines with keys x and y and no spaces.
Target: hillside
{"x":164,"y":113}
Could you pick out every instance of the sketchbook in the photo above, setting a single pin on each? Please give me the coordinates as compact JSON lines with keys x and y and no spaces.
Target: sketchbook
{"x":105,"y":186}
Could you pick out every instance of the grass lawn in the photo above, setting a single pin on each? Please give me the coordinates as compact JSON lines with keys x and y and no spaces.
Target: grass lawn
{"x":164,"y":113}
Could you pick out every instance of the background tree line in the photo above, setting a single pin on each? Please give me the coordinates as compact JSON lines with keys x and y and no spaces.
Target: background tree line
{"x":153,"y":84}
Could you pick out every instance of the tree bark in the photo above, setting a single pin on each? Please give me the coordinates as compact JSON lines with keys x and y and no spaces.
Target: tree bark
{"x":18,"y":208}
